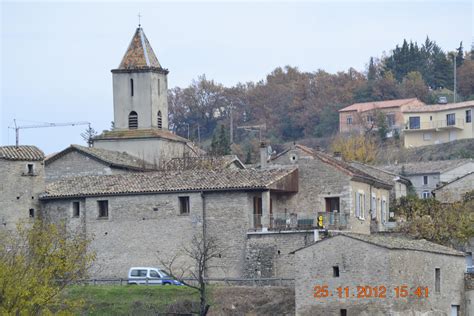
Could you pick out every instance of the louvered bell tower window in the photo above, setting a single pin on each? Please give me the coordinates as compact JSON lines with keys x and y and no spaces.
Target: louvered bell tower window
{"x":133,"y":120}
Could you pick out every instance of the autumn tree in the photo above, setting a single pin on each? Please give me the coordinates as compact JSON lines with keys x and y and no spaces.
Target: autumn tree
{"x":413,"y":85}
{"x":466,"y":79}
{"x":198,"y":259}
{"x":447,"y":224}
{"x":355,"y":147}
{"x":36,"y":265}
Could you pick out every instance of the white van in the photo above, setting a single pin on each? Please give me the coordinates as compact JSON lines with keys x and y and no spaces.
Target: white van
{"x":148,"y":275}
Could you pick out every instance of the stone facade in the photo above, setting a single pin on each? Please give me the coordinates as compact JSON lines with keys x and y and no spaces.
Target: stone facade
{"x":455,"y":190}
{"x":74,"y":164}
{"x":319,"y":182}
{"x":362,"y":263}
{"x":19,"y":191}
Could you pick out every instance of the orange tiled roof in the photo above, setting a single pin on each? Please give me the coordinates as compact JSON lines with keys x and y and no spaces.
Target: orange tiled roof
{"x":367,"y":106}
{"x":139,"y":54}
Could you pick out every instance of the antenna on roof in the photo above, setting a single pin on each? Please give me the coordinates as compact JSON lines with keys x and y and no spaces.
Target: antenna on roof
{"x":139,"y":19}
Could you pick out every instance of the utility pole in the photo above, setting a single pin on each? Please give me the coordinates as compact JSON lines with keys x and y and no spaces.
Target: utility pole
{"x":199,"y":137}
{"x":454,"y":58}
{"x":231,"y":107}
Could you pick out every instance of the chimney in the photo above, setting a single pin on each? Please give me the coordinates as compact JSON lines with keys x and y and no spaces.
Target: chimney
{"x":263,"y":155}
{"x":337,"y":155}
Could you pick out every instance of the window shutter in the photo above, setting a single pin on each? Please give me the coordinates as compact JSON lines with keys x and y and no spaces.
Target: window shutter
{"x":357,"y":205}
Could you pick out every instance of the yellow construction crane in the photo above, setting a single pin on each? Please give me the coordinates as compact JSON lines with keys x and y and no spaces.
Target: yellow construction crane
{"x":18,"y":127}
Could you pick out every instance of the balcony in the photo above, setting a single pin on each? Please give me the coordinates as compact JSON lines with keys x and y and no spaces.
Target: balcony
{"x":295,"y":222}
{"x":435,"y":125}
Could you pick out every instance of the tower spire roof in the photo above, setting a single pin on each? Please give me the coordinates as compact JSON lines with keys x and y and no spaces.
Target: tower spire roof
{"x":139,"y":54}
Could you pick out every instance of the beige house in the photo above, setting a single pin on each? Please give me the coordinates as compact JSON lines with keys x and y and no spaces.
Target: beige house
{"x":438,"y":123}
{"x":362,"y":117}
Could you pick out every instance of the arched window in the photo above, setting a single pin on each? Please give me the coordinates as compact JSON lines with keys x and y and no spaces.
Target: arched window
{"x":160,"y":120}
{"x":133,"y":120}
{"x":131,"y":87}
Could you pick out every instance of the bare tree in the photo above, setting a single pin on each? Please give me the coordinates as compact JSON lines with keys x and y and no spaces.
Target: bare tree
{"x":201,"y":251}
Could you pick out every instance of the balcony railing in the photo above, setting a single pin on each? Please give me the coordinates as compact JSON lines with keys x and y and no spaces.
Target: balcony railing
{"x":432,"y":125}
{"x":294,"y":221}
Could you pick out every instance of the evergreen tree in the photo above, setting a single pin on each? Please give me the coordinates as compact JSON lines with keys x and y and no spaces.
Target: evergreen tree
{"x":220,"y":144}
{"x":371,"y":74}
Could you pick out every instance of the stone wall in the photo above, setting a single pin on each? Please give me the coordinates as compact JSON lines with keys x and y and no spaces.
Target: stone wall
{"x":455,"y":191}
{"x":74,"y":164}
{"x":19,"y":191}
{"x":362,"y":264}
{"x":268,"y":254}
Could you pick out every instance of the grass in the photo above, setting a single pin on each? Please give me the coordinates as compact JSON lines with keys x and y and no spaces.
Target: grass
{"x":131,"y":299}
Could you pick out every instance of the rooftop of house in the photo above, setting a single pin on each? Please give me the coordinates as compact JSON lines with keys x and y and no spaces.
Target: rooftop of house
{"x":173,"y":181}
{"x":367,"y":106}
{"x":438,"y":107}
{"x":353,"y":171}
{"x":112,"y":158}
{"x":23,"y":152}
{"x":426,"y":167}
{"x":469,"y":176}
{"x":203,"y":162}
{"x":139,"y":54}
{"x":387,"y":176}
{"x":396,"y":243}
{"x":140,"y":133}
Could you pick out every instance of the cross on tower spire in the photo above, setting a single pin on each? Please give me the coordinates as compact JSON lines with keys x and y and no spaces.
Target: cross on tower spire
{"x":139,"y":19}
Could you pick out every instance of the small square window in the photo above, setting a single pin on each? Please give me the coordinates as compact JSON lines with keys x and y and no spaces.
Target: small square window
{"x":31,"y":169}
{"x":32,"y":212}
{"x":335,"y":271}
{"x":425,"y":194}
{"x":349,"y":120}
{"x":184,"y":205}
{"x":103,"y":209}
{"x":76,"y":209}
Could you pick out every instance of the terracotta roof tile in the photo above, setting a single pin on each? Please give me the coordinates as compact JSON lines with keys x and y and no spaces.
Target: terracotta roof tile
{"x":165,"y":181}
{"x":367,"y":106}
{"x":141,"y":133}
{"x":438,"y":107}
{"x":139,"y":54}
{"x":424,"y":167}
{"x":26,"y":153}
{"x":203,"y":162}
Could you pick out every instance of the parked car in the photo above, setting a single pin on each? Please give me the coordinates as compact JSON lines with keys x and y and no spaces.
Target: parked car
{"x":149,"y":275}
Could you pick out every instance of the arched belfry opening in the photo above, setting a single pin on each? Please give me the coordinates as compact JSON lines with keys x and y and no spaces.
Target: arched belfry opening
{"x":133,"y":120}
{"x":159,"y":120}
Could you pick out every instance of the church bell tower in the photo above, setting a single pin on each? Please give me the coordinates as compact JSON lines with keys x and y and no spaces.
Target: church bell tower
{"x":140,"y":88}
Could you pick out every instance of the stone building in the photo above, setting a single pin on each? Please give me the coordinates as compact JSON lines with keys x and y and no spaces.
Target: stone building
{"x":347,"y":197}
{"x":354,"y":274}
{"x":455,"y":190}
{"x":140,"y":90}
{"x":138,"y":218}
{"x":78,"y":160}
{"x":428,"y":175}
{"x":22,"y":174}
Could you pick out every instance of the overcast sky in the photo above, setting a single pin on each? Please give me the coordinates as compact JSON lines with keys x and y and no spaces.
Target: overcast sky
{"x":56,"y":57}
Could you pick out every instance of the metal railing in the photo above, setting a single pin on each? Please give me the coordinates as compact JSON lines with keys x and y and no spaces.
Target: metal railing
{"x":456,"y":123}
{"x":226,"y":281}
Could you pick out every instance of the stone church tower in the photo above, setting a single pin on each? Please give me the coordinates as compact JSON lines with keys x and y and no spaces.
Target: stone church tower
{"x":140,"y":89}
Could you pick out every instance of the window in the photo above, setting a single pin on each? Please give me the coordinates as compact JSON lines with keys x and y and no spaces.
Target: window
{"x":343,"y":312}
{"x":160,"y":120}
{"x":425,"y":180}
{"x":257,"y":212}
{"x":103,"y":209}
{"x":468,"y":116}
{"x":131,"y":87}
{"x":159,"y":87}
{"x":32,"y":212}
{"x":426,"y":136}
{"x":360,"y":205}
{"x":133,"y":120}
{"x":76,"y":211}
{"x":425,"y":194}
{"x":31,"y":169}
{"x":451,"y":119}
{"x":437,"y":280}
{"x":373,"y":207}
{"x":349,"y":120}
{"x":370,"y":119}
{"x":335,"y":271}
{"x":332,"y":204}
{"x":184,"y":205}
{"x":138,"y":273}
{"x":390,"y":120}
{"x":154,"y":274}
{"x":383,"y":210}
{"x":414,"y":122}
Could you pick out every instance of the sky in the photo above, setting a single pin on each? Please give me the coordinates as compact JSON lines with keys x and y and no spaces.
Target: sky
{"x":56,"y":57}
